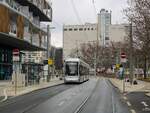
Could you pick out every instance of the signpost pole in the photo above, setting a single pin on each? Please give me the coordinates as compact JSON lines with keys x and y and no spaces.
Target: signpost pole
{"x":123,"y":61}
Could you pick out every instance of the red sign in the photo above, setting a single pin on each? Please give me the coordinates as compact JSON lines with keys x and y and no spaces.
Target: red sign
{"x":16,"y":52}
{"x":123,"y":55}
{"x":16,"y":57}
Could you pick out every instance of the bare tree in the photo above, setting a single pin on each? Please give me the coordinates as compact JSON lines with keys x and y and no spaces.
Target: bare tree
{"x":139,"y":14}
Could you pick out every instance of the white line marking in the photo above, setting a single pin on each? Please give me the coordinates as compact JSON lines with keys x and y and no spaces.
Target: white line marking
{"x":128,"y":103}
{"x":5,"y":94}
{"x":61,"y":103}
{"x":133,"y":111}
{"x":146,"y":109}
{"x":113,"y":104}
{"x":125,"y":98}
{"x":144,"y":103}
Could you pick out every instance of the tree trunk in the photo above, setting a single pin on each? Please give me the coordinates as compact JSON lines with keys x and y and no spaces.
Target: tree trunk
{"x":145,"y":67}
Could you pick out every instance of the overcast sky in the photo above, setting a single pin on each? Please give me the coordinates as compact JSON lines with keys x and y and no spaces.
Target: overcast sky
{"x":82,"y":11}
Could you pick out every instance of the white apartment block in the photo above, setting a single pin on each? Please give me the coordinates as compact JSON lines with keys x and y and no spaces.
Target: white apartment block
{"x":76,"y":35}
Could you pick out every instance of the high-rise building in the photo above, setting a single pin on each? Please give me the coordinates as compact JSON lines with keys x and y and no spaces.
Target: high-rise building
{"x":20,"y":29}
{"x":104,"y":21}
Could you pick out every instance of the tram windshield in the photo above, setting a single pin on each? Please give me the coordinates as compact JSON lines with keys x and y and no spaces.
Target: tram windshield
{"x":71,"y":68}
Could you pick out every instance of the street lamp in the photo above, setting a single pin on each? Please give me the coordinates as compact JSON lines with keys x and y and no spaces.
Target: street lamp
{"x":48,"y":47}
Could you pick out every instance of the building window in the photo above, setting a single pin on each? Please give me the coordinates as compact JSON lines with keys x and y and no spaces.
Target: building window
{"x":80,"y":29}
{"x":84,"y":29}
{"x":70,"y":29}
{"x":75,"y":29}
{"x":106,"y":38}
{"x":65,"y":29}
{"x":92,"y":29}
{"x":88,"y":28}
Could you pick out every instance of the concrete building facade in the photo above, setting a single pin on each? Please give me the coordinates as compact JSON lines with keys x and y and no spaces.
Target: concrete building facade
{"x":118,"y":32}
{"x":103,"y":31}
{"x":76,"y":35}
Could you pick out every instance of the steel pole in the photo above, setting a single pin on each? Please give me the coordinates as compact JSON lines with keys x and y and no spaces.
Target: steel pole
{"x":48,"y":52}
{"x":131,"y":55}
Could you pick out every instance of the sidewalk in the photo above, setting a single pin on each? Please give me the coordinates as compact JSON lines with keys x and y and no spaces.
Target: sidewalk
{"x":140,"y":87}
{"x":7,"y":90}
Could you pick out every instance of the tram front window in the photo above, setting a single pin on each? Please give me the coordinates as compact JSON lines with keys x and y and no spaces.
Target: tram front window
{"x":71,"y":68}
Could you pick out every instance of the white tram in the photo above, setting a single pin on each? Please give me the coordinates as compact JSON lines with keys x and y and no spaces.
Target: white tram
{"x":75,"y":70}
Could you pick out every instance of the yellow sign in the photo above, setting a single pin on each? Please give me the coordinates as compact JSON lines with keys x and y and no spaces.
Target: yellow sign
{"x":50,"y":62}
{"x":117,"y":66}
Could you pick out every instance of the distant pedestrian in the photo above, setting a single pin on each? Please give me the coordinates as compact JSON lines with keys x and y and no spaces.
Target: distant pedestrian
{"x":121,"y":72}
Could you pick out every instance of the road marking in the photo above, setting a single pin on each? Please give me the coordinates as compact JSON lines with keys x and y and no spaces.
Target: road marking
{"x":5,"y":94}
{"x":133,"y":111}
{"x":113,"y":104}
{"x":125,"y":98}
{"x":145,"y":104}
{"x":61,"y":103}
{"x":146,"y":109}
{"x":128,"y":103}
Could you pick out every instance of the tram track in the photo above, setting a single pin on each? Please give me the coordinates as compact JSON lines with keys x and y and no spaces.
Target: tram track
{"x":85,"y":101}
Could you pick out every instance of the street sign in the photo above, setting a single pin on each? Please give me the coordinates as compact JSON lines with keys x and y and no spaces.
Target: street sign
{"x":117,"y":66}
{"x":123,"y":55}
{"x":16,"y":55}
{"x":123,"y":60}
{"x":50,"y":61}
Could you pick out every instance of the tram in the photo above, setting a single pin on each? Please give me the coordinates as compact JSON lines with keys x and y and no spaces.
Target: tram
{"x":75,"y":70}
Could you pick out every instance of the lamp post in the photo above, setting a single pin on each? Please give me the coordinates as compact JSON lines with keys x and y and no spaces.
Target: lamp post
{"x":48,"y":47}
{"x":131,"y":60}
{"x":131,"y":54}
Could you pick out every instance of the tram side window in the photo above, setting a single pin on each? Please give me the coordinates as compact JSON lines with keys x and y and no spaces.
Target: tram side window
{"x":81,"y":70}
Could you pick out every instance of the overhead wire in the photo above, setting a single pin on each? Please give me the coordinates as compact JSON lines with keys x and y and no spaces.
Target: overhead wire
{"x":78,"y":17}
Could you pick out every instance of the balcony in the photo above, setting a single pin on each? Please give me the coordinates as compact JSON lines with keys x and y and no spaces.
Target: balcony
{"x":44,"y":42}
{"x":31,"y":16}
{"x":36,"y":21}
{"x":38,"y":7}
{"x":36,"y":40}
{"x":13,"y":29}
{"x":25,"y":10}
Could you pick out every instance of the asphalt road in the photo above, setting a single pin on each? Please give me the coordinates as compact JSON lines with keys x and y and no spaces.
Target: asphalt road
{"x":25,"y":102}
{"x":105,"y":99}
{"x":139,"y":101}
{"x":93,"y":96}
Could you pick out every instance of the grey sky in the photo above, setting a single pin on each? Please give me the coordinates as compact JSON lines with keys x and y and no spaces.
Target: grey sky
{"x":63,"y":13}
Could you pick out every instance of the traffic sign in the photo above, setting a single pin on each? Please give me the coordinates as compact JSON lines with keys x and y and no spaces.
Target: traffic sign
{"x":123,"y":55}
{"x":50,"y":61}
{"x":117,"y":66}
{"x":16,"y":52}
{"x":123,"y":60}
{"x":16,"y":55}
